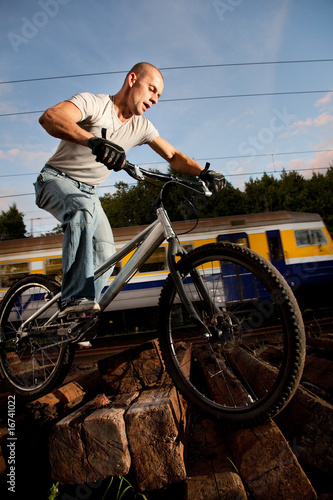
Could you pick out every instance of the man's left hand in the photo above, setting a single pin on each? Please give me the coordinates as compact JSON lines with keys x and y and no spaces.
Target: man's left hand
{"x":108,"y":153}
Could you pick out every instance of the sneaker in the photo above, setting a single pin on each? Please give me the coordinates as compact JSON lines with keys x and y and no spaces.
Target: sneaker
{"x":80,"y":306}
{"x":84,"y":344}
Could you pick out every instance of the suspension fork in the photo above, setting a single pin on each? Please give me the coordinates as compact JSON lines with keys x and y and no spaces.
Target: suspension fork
{"x":176,"y":249}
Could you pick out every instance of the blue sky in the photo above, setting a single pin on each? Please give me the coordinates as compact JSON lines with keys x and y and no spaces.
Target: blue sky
{"x":238,"y":135}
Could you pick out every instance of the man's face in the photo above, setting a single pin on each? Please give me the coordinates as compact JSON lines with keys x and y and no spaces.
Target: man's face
{"x":145,"y":90}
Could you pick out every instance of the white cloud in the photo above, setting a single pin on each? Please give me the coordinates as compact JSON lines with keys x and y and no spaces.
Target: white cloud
{"x":322,"y":119}
{"x":324,"y":100}
{"x":303,"y":126}
{"x":242,"y":119}
{"x":318,"y":163}
{"x":300,"y":123}
{"x":24,"y":156}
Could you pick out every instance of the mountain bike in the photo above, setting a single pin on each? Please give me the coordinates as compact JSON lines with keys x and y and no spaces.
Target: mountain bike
{"x":230,"y":330}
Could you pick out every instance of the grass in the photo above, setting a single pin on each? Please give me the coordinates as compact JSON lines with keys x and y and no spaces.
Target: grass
{"x":118,"y":488}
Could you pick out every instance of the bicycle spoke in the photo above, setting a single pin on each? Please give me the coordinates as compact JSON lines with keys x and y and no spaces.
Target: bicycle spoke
{"x":239,"y":356}
{"x":33,"y":356}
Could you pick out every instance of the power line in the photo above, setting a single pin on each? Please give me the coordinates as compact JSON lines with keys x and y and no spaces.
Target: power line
{"x":277,"y":171}
{"x":230,"y":96}
{"x":233,"y":157}
{"x":170,"y":68}
{"x":265,"y":94}
{"x":226,"y":175}
{"x":266,"y":154}
{"x":22,"y":113}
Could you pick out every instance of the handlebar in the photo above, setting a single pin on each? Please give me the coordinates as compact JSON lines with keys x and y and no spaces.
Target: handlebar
{"x":140,"y":174}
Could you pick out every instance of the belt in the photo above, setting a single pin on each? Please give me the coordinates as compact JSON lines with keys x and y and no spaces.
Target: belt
{"x":86,"y":188}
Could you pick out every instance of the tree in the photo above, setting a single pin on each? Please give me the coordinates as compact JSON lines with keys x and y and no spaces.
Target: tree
{"x":262,"y":195}
{"x":11,"y":224}
{"x":293,"y":192}
{"x":56,"y":230}
{"x":320,"y":196}
{"x":230,"y":201}
{"x":130,"y":205}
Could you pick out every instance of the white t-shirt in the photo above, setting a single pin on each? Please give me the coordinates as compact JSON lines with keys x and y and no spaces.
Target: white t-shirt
{"x":98,"y":113}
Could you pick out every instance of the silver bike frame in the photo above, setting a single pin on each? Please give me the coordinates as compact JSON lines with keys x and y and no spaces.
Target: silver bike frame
{"x":145,"y":244}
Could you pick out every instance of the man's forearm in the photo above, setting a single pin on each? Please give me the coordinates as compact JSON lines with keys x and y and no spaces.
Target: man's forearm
{"x":185,"y":164}
{"x":178,"y":160}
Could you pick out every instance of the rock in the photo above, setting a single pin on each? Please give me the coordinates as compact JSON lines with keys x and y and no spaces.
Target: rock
{"x":91,"y":442}
{"x":155,"y":425}
{"x":267,"y":464}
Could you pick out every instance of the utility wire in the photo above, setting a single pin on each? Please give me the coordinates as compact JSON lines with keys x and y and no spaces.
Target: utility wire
{"x":233,"y":157}
{"x":22,"y":113}
{"x":171,"y":68}
{"x":264,"y":94}
{"x":226,"y":175}
{"x":230,"y":96}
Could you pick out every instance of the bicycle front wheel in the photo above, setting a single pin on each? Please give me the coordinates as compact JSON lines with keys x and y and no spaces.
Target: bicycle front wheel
{"x":33,"y":359}
{"x":245,"y":364}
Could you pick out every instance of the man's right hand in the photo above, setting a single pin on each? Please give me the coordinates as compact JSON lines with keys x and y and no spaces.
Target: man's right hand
{"x":108,"y":153}
{"x":214,"y":180}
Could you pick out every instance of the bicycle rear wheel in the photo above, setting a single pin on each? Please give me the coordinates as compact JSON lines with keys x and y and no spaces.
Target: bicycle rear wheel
{"x":248,"y":367}
{"x":33,"y":360}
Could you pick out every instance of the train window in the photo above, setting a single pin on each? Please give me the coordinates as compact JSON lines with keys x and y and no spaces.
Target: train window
{"x":238,"y":238}
{"x":241,"y":241}
{"x":156,"y":262}
{"x":10,"y":273}
{"x":309,"y":237}
{"x":53,"y":268}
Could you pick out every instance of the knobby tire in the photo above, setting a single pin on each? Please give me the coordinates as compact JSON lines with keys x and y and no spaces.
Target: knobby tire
{"x":40,"y":361}
{"x":249,"y":371}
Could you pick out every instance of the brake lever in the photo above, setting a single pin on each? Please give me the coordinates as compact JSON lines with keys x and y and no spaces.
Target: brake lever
{"x":133,"y":171}
{"x":206,"y":191}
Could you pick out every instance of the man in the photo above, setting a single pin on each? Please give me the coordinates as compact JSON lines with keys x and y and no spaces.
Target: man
{"x":107,"y":126}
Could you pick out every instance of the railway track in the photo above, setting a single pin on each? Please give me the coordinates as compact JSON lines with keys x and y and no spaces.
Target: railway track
{"x":108,"y":346}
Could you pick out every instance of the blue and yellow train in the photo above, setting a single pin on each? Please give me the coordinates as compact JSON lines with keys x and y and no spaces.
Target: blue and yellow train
{"x":298,"y":244}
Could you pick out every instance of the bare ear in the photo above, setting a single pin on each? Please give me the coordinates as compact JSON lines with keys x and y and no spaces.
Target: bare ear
{"x":132,"y":78}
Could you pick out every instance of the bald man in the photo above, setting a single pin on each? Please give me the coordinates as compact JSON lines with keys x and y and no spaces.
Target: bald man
{"x":96,"y":131}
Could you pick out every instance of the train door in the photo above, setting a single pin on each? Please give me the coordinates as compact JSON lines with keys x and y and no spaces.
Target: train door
{"x":276,"y":250}
{"x":239,"y":284}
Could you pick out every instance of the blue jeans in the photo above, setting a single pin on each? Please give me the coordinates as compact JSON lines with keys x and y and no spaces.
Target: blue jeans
{"x":88,"y":239}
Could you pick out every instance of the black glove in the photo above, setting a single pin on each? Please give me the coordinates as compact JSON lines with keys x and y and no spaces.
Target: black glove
{"x":108,"y":153}
{"x":214,"y":180}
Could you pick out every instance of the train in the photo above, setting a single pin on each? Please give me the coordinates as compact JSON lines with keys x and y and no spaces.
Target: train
{"x":298,"y":244}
